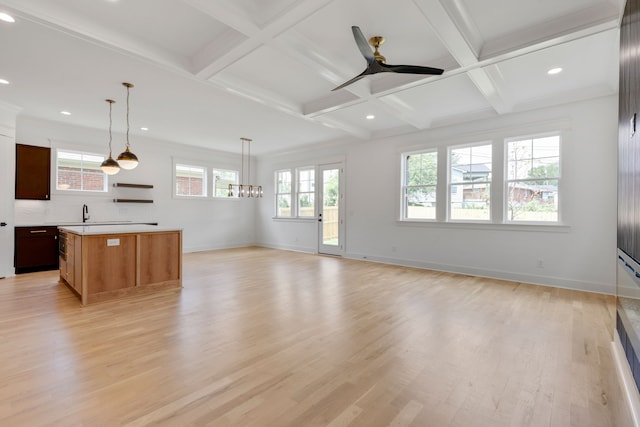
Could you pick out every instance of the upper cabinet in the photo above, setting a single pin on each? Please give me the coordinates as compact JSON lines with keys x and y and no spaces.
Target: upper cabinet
{"x":33,"y":172}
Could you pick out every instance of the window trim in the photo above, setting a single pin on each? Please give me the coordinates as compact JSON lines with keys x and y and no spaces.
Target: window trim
{"x":61,"y":191}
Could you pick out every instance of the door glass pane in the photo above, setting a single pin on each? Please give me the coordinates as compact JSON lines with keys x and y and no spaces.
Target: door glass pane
{"x":330,"y":207}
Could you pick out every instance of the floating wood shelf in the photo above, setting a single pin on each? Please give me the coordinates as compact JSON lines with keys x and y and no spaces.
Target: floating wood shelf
{"x":132,"y":201}
{"x":122,"y":184}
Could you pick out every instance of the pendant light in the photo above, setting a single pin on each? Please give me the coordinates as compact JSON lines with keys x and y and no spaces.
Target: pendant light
{"x":126,"y":159}
{"x":110,"y":166}
{"x":243,"y":189}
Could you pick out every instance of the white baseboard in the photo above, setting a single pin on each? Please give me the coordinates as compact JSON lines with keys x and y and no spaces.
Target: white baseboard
{"x":556,"y":282}
{"x":627,"y":383}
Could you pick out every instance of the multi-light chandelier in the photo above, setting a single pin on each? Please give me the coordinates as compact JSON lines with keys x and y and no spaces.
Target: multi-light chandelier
{"x":126,"y":159}
{"x":243,"y":189}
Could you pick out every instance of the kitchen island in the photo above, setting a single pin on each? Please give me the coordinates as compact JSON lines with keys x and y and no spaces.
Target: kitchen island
{"x":104,"y":262}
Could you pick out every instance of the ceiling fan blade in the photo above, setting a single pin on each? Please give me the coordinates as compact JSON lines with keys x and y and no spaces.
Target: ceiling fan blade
{"x":361,"y":41}
{"x":353,"y":80}
{"x":412,"y":69}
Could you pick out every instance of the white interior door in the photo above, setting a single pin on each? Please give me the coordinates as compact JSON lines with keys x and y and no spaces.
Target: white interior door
{"x":7,"y":178}
{"x":331,"y":209}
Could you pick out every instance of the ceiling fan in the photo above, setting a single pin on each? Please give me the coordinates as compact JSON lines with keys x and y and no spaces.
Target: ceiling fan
{"x":376,"y":63}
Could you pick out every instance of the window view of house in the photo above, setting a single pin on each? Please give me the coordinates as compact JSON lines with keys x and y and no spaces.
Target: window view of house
{"x":533,"y":174}
{"x":470,"y":183}
{"x":191,"y":180}
{"x":80,"y":172}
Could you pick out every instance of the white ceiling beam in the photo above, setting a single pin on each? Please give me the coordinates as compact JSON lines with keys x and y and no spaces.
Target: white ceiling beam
{"x":461,"y":38}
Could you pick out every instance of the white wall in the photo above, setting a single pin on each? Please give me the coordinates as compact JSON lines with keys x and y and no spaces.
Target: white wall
{"x":206,"y":224}
{"x":579,"y":256}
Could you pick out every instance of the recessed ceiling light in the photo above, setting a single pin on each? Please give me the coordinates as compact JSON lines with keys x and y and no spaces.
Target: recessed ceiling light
{"x":554,"y":71}
{"x":65,"y":113}
{"x":144,"y":129}
{"x":4,"y":82}
{"x":6,"y":17}
{"x":371,"y":117}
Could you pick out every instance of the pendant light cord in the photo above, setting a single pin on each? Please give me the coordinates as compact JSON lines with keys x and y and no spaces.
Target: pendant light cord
{"x":127,"y":116}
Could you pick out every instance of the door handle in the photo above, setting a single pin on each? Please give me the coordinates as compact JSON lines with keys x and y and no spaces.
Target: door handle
{"x":37,"y":231}
{"x":3,"y":224}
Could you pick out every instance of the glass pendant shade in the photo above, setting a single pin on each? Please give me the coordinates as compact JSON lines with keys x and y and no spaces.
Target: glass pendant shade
{"x":127,"y":160}
{"x":110,"y":166}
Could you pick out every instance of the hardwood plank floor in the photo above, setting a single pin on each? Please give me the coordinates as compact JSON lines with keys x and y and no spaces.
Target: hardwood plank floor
{"x":260,"y":337}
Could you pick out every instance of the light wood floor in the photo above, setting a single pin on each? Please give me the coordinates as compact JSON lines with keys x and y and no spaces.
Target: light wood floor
{"x":260,"y":337}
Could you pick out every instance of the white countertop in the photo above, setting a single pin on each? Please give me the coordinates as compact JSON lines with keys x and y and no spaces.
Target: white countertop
{"x":116,"y":229}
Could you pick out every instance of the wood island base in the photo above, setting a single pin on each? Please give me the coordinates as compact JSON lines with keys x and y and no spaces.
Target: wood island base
{"x":102,"y":263}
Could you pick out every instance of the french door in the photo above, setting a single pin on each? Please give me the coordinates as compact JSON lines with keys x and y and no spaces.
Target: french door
{"x":331,"y":209}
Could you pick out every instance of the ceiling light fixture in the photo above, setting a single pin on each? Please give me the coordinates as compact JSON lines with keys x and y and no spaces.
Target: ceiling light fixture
{"x":6,"y":17}
{"x":110,"y":166}
{"x":4,"y":82}
{"x":245,"y":190}
{"x":65,"y":113}
{"x":553,"y":71}
{"x":370,"y":117}
{"x":126,"y":159}
{"x":144,"y":129}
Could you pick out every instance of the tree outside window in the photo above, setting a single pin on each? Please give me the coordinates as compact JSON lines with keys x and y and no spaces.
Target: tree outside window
{"x":533,"y":175}
{"x":421,"y":179}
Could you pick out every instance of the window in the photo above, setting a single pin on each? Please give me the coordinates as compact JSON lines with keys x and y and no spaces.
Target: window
{"x":533,"y":173}
{"x":77,"y":171}
{"x":283,"y":193}
{"x":420,"y":182}
{"x":306,"y":192}
{"x":221,"y":180}
{"x":470,"y":183}
{"x":191,"y":180}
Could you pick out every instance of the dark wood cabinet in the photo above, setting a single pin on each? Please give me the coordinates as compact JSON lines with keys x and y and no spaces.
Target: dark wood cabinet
{"x":36,"y":249}
{"x":33,"y":172}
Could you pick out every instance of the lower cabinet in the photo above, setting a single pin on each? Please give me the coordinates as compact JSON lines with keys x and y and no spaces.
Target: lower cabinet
{"x":36,"y":249}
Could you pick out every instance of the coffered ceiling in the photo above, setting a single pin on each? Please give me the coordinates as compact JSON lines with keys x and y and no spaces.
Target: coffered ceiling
{"x":207,"y":72}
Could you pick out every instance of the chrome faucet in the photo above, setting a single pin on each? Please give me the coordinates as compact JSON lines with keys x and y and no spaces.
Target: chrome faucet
{"x":85,"y":213}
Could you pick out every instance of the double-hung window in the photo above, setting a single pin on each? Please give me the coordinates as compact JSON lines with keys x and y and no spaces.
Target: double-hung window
{"x":420,"y":184}
{"x":470,"y":182}
{"x":76,"y":171}
{"x":306,"y":191}
{"x":283,"y":193}
{"x":533,"y":174}
{"x":191,"y":180}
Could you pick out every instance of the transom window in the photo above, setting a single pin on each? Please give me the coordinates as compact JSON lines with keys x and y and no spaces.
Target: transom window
{"x":470,"y":183}
{"x":421,"y":180}
{"x":533,"y":174}
{"x":76,"y":171}
{"x":191,"y":180}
